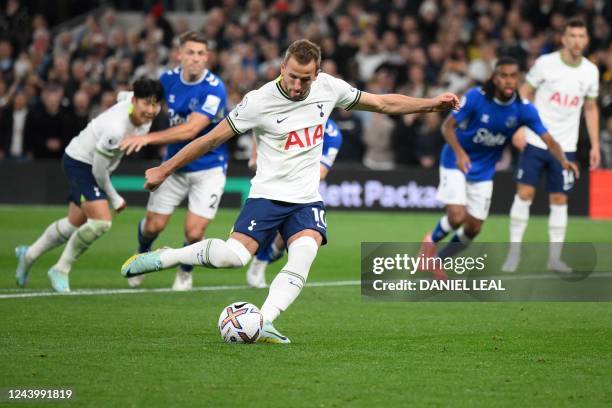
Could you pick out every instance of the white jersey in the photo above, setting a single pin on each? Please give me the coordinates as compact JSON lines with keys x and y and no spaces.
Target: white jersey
{"x":560,"y":93}
{"x":104,"y":133}
{"x":290,"y":136}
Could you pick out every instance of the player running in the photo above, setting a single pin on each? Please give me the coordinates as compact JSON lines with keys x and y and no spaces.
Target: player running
{"x":475,"y":139}
{"x":88,"y":161}
{"x":196,"y":101}
{"x":256,"y":274}
{"x":287,"y":116}
{"x":563,"y":82}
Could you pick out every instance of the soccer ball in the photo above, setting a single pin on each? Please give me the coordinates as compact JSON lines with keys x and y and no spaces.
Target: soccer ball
{"x":240,"y":322}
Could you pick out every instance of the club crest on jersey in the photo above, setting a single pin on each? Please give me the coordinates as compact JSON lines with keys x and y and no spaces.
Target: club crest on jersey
{"x":511,"y":121}
{"x":304,"y":138}
{"x":193,"y":104}
{"x":171,"y":98}
{"x":484,"y":118}
{"x":564,"y":100}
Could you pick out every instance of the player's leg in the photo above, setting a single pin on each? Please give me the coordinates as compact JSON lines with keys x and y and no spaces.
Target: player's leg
{"x":305,"y":230}
{"x":302,"y":249}
{"x":531,"y":164}
{"x":256,"y":273}
{"x":195,"y":227}
{"x":160,"y":207}
{"x":478,"y":201}
{"x":98,"y":222}
{"x":452,"y":192}
{"x":205,"y":191}
{"x":559,"y":183}
{"x":56,"y":234}
{"x":258,"y":219}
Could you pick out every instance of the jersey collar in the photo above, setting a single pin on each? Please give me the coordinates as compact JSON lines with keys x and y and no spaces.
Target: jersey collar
{"x":282,"y":91}
{"x":506,"y":103}
{"x":195,"y":82}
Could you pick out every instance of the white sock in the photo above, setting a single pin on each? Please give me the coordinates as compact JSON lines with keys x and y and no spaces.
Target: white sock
{"x":289,"y":282}
{"x":79,"y":241}
{"x":557,"y":224}
{"x":211,"y":253}
{"x":519,"y":217}
{"x":55,"y":235}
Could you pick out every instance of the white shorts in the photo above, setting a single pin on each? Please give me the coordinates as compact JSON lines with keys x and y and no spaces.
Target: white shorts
{"x":474,"y":195}
{"x":203,"y":188}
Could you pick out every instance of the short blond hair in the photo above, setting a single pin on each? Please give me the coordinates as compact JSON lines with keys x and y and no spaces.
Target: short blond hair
{"x":304,"y":51}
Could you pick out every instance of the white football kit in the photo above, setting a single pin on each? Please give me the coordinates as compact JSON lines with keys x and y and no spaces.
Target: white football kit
{"x":559,"y":97}
{"x":290,"y":136}
{"x":104,"y":133}
{"x":98,"y":144}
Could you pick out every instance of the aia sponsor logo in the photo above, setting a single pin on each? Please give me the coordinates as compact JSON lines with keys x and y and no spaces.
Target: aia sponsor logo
{"x":308,"y":137}
{"x":565,"y":100}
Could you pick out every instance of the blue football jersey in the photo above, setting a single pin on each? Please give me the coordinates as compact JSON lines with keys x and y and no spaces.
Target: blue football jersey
{"x":332,"y":140}
{"x":485,"y":127}
{"x":206,"y":97}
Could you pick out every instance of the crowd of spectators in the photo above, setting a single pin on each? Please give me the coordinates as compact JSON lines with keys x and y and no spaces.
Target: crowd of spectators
{"x":52,"y":81}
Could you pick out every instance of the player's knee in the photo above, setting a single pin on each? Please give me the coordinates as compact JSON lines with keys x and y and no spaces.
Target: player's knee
{"x":525,"y":193}
{"x":228,"y":254}
{"x":93,"y":229}
{"x":194,"y":234}
{"x":153,"y":225}
{"x":472,"y":229}
{"x":558,"y":199}
{"x":456,"y":218}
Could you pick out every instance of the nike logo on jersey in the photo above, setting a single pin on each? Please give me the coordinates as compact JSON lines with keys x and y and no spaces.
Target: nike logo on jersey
{"x":281,"y":120}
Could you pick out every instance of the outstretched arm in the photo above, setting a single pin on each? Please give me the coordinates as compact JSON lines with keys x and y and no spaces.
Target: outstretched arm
{"x":396,"y":104}
{"x":202,"y":145}
{"x":179,"y":133}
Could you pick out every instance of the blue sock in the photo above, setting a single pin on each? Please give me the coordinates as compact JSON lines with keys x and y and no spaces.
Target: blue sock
{"x":186,"y":268}
{"x":144,"y":243}
{"x":263,"y":254}
{"x":441,"y":230}
{"x":457,"y":244}
{"x":271,"y":253}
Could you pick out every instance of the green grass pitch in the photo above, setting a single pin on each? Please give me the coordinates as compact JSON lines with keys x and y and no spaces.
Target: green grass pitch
{"x":163,"y":349}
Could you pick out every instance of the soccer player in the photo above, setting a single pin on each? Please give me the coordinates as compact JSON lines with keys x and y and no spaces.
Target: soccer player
{"x":287,"y":116}
{"x":88,"y":161}
{"x":475,"y":139}
{"x":196,"y":101}
{"x":563,"y":82}
{"x":256,"y":274}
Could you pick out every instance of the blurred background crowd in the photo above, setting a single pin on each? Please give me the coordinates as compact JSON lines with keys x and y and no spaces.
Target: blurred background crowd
{"x":62,"y":62}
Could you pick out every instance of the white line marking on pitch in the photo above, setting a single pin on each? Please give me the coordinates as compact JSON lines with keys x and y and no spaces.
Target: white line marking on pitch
{"x":96,"y":292}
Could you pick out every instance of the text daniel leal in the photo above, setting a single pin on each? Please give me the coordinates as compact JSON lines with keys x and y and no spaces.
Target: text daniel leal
{"x":440,"y":285}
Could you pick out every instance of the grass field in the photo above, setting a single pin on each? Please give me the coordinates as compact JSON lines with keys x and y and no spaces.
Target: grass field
{"x":163,"y":348}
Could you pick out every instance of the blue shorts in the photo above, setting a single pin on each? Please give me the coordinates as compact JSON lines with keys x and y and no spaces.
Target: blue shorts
{"x":261,"y":218}
{"x":535,"y":161}
{"x":81,"y":182}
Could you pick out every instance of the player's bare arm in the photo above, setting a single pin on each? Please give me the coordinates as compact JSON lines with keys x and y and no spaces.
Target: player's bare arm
{"x":448,"y":132}
{"x":557,"y":152}
{"x":591,"y":118}
{"x":395,"y":104}
{"x":180,"y":133}
{"x":219,"y":135}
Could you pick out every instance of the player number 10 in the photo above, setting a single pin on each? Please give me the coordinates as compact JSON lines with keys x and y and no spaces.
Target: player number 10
{"x":319,"y":216}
